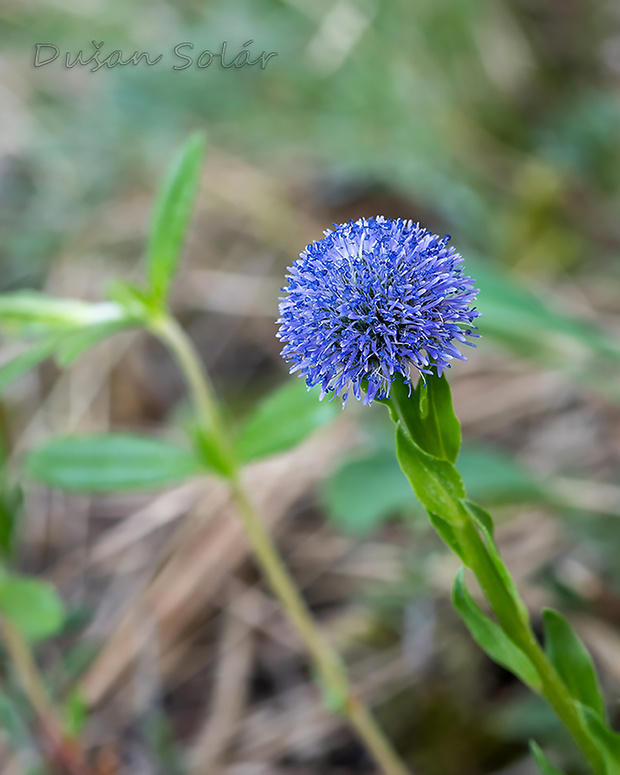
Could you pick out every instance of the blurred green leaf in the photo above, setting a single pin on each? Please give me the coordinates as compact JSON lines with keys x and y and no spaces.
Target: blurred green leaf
{"x":171,"y":216}
{"x":26,"y":361}
{"x":32,"y":307}
{"x":65,"y":327}
{"x":334,"y":698}
{"x":36,"y":313}
{"x":78,"y":342}
{"x":524,"y":322}
{"x":493,"y":477}
{"x":362,"y":494}
{"x":111,"y":463}
{"x":543,"y":763}
{"x":75,"y":714}
{"x":32,"y":606}
{"x":11,"y":506}
{"x":283,"y":420}
{"x":135,"y":300}
{"x":490,"y":636}
{"x":572,"y":661}
{"x":209,"y":450}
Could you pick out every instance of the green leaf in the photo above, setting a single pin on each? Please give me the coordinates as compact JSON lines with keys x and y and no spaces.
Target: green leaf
{"x":543,"y":763}
{"x":75,"y":714}
{"x":78,"y":342}
{"x":111,"y":463}
{"x":436,"y":482}
{"x":171,"y":216}
{"x":429,"y":416}
{"x":209,"y":451}
{"x":283,"y":420}
{"x":572,"y":661}
{"x":135,"y":301}
{"x":67,"y":346}
{"x":484,"y":524}
{"x":481,"y":516}
{"x":26,"y":361}
{"x":31,"y":307}
{"x":36,"y":313}
{"x":534,"y":326}
{"x":607,"y":740}
{"x":11,"y":506}
{"x":363,"y":493}
{"x":448,"y":534}
{"x":490,"y":636}
{"x":491,"y":476}
{"x":32,"y":606}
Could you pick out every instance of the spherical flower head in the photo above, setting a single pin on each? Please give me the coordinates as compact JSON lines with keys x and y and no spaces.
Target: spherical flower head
{"x":372,"y":298}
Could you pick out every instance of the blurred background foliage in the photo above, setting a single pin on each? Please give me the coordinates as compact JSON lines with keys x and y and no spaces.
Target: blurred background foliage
{"x":497,"y":121}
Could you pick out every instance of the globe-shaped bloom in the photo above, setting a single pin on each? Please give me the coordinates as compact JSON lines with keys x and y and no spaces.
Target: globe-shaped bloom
{"x":370,"y":299}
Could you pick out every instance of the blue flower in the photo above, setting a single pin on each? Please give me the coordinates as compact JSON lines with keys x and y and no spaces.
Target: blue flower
{"x":370,"y":299}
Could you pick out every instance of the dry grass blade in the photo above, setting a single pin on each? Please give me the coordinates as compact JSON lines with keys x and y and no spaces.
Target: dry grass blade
{"x":232,"y":673}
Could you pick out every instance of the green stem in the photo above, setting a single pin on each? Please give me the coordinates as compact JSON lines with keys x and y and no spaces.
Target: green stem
{"x":519,"y":629}
{"x":201,"y":389}
{"x":331,"y":670}
{"x":27,"y":672}
{"x":63,"y":752}
{"x":508,"y":607}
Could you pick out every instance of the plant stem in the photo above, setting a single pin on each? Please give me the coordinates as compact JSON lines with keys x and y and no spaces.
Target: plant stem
{"x":519,"y":630}
{"x":201,"y":389}
{"x":27,"y":671}
{"x":330,"y":667}
{"x":63,"y":751}
{"x":501,"y":592}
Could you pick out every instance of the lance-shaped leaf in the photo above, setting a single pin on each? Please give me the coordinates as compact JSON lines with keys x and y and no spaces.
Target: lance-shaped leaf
{"x":283,"y":420}
{"x":607,"y":740}
{"x":484,"y":524}
{"x":111,"y":463}
{"x":481,"y":517}
{"x":171,"y":216}
{"x":35,"y":313}
{"x":361,"y":495}
{"x":436,"y":482}
{"x":428,"y":415}
{"x":572,"y":661}
{"x":490,"y":636}
{"x":448,"y":534}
